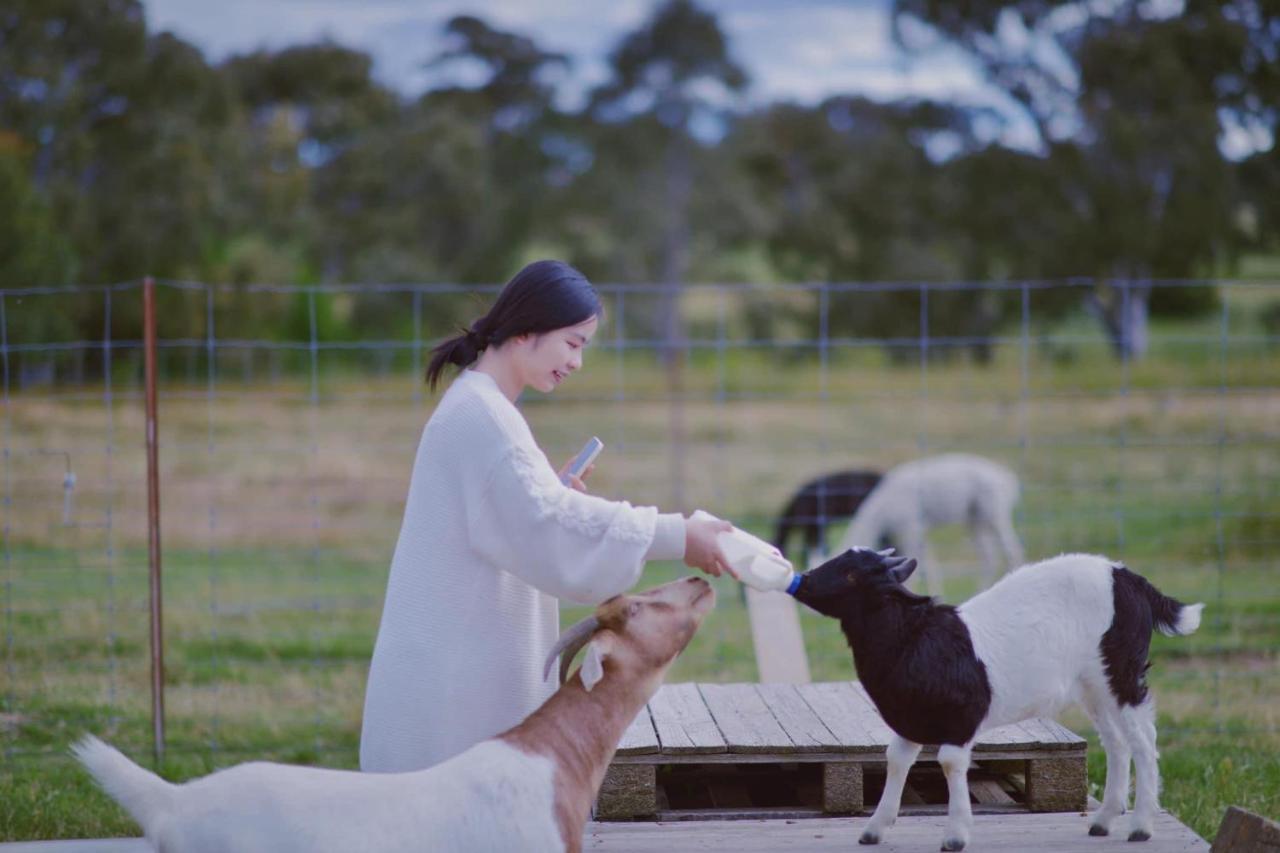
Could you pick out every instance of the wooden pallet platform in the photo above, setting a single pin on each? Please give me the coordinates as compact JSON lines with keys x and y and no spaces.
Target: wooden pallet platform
{"x":708,"y":751}
{"x":1044,"y":833}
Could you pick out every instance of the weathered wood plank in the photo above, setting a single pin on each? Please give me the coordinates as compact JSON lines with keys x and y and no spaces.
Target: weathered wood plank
{"x":744,"y":719}
{"x":682,"y":722}
{"x":807,"y":731}
{"x":640,"y":737}
{"x":777,"y":638}
{"x":1004,"y":736}
{"x":876,"y":727}
{"x":1062,"y":736}
{"x":989,"y":792}
{"x":1245,"y":832}
{"x":1003,"y":833}
{"x":840,"y":709}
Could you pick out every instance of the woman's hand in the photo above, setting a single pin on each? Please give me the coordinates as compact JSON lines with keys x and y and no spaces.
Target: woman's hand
{"x":575,"y":482}
{"x":701,"y":551}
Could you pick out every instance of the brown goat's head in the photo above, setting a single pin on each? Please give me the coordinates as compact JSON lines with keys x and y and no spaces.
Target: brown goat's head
{"x":636,"y":635}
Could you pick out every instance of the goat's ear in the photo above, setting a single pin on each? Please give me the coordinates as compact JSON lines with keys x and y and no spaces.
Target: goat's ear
{"x":593,"y":662}
{"x":901,"y":573}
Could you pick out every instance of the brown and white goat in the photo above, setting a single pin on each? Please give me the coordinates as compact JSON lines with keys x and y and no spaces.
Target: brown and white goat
{"x":530,"y":788}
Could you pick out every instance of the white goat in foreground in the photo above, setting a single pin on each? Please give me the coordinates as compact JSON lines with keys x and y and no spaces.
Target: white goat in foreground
{"x":953,"y":488}
{"x":1073,"y":629}
{"x":530,"y":788}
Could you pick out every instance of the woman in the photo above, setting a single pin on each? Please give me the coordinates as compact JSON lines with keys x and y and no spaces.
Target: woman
{"x":492,"y":538}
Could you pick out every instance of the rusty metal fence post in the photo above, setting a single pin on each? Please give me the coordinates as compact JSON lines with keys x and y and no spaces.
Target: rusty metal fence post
{"x":153,"y":519}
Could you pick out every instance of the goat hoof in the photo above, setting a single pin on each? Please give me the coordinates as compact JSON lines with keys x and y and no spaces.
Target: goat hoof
{"x":869,"y":837}
{"x":1098,"y":830}
{"x":1140,"y":835}
{"x":953,"y":844}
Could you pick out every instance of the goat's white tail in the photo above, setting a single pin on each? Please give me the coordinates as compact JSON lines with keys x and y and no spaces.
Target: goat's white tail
{"x":142,"y":793}
{"x":1188,"y":619}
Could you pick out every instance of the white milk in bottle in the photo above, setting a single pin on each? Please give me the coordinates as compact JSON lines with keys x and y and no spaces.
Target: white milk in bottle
{"x":758,"y":564}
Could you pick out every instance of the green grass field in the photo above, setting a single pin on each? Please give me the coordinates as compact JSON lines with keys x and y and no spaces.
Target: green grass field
{"x":280,"y":516}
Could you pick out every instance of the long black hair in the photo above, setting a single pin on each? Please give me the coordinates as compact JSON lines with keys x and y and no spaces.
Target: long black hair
{"x":542,"y":297}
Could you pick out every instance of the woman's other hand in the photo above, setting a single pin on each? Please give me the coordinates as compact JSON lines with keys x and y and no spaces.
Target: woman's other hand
{"x":701,"y":550}
{"x":575,"y":482}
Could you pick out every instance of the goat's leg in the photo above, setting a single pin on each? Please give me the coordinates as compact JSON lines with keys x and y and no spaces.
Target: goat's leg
{"x":900,"y":755}
{"x":1141,"y":725}
{"x":1105,"y":714}
{"x":955,"y":766}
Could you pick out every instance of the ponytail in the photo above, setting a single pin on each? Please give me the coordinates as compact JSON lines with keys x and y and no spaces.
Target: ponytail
{"x":462,"y":350}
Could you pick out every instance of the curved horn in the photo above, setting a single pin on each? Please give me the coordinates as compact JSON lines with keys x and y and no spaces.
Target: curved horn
{"x":571,"y":640}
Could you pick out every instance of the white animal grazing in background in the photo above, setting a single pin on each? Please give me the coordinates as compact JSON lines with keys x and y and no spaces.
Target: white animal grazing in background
{"x":953,"y":488}
{"x":530,"y":788}
{"x":1073,"y":629}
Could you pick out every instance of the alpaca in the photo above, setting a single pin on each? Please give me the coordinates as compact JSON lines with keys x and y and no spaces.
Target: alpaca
{"x":954,"y":488}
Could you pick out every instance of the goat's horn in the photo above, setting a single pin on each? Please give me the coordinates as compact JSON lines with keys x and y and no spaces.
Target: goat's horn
{"x":571,"y":640}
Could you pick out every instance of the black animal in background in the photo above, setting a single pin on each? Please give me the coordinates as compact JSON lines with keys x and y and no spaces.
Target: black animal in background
{"x":822,"y":501}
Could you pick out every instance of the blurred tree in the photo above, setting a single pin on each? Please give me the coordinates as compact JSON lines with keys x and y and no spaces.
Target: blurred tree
{"x":307,"y":107}
{"x":852,"y":194}
{"x":1136,"y":152}
{"x":125,"y":131}
{"x":32,"y":254}
{"x":671,"y":77}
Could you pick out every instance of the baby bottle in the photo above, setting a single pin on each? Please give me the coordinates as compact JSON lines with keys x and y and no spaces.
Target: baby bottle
{"x":757,"y":563}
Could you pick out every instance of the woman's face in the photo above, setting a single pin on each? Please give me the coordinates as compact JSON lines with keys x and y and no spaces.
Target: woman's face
{"x":546,"y":360}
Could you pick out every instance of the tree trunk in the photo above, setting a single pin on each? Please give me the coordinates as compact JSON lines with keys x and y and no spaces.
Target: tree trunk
{"x":674,"y":261}
{"x":1124,"y":315}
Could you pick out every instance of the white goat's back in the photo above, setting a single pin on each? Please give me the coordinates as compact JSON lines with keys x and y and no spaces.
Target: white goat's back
{"x":1038,"y":631}
{"x":491,"y":797}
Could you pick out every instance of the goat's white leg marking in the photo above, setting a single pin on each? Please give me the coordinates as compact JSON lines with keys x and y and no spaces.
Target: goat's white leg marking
{"x":955,"y":766}
{"x":1140,"y":724}
{"x":1105,"y":714}
{"x":900,"y":755}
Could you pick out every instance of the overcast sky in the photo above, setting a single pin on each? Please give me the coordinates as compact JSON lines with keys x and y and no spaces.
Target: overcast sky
{"x":801,"y":50}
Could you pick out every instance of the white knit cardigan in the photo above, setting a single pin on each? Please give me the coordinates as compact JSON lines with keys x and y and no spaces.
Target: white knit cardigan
{"x":490,"y":540}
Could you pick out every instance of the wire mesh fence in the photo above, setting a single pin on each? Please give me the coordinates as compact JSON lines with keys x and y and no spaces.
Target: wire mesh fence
{"x":289,"y":417}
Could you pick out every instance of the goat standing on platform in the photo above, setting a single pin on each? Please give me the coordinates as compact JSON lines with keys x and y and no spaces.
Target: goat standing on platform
{"x":530,"y":788}
{"x":1073,"y":629}
{"x":954,"y":488}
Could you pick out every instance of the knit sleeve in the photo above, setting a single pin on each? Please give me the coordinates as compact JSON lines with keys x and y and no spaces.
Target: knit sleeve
{"x":575,"y":546}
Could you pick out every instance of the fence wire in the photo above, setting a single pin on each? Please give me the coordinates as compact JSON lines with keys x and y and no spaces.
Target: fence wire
{"x":289,"y":417}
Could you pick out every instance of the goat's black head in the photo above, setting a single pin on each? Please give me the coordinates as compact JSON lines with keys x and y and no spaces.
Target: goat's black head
{"x":828,"y":588}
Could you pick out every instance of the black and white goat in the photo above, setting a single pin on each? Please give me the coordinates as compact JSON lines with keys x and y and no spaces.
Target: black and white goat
{"x":1072,"y":629}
